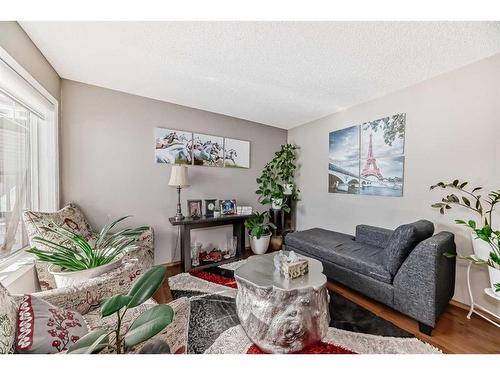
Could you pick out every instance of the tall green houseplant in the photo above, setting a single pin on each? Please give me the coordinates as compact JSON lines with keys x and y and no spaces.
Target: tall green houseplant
{"x":278,"y":176}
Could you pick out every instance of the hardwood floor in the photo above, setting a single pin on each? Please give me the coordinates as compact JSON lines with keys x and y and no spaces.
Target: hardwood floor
{"x":454,"y":333}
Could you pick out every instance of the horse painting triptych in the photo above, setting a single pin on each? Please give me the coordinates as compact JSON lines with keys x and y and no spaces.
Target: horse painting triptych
{"x":181,"y":147}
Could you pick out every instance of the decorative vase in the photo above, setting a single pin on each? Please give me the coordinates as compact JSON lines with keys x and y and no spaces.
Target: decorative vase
{"x":481,"y":248}
{"x":494,"y":278}
{"x":73,"y":278}
{"x":216,"y":213}
{"x":288,"y":189}
{"x":276,"y":203}
{"x":259,"y":246}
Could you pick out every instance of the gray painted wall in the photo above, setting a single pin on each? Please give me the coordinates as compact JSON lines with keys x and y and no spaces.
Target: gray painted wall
{"x":108,"y":166}
{"x":452,"y":131}
{"x":16,"y":42}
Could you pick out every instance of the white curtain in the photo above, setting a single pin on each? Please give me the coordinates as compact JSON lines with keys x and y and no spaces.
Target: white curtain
{"x":14,"y":183}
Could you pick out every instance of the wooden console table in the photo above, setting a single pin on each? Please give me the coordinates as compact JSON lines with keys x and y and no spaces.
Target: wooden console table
{"x":187,"y":224}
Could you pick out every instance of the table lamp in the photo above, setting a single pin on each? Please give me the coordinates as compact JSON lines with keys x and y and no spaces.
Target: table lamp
{"x":178,"y":179}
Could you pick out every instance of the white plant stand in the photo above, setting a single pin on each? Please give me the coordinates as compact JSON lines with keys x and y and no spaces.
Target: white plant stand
{"x":474,"y":307}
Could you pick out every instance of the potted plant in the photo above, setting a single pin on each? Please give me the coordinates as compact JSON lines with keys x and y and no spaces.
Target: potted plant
{"x":485,"y":240}
{"x":259,"y":230}
{"x":277,"y":179}
{"x":145,"y":326}
{"x":74,"y":259}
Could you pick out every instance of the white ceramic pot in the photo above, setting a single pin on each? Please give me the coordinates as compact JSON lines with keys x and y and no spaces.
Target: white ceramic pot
{"x":276,"y":203}
{"x":494,"y":279}
{"x":288,"y":189}
{"x":73,"y":278}
{"x":259,"y":246}
{"x":481,"y":248}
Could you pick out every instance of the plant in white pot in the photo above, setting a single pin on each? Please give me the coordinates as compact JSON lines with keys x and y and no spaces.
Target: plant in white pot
{"x":473,"y":200}
{"x":485,"y":240}
{"x":74,"y":259}
{"x":259,"y":230}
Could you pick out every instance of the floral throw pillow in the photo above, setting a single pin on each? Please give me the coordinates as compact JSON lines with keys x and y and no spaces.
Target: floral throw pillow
{"x":7,"y":321}
{"x":70,"y":217}
{"x":42,"y":328}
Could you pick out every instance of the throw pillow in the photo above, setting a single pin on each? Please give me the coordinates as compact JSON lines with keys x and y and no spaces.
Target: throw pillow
{"x":175,"y":334}
{"x":70,"y":217}
{"x":403,"y":240}
{"x":7,"y":321}
{"x":42,"y":328}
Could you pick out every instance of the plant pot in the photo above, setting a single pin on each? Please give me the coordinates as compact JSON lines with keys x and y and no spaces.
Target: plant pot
{"x":494,"y":278}
{"x":276,"y":203}
{"x":481,"y":248}
{"x":288,"y":189}
{"x":73,"y":278}
{"x":259,"y":246}
{"x":276,"y":242}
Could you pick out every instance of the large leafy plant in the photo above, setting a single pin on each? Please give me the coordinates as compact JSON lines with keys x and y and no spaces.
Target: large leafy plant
{"x":470,"y":198}
{"x":75,"y":253}
{"x":145,"y":326}
{"x":278,"y":172}
{"x":258,"y":224}
{"x":482,"y":206}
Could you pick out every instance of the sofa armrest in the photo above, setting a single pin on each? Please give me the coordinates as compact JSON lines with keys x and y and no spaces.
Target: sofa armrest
{"x":87,"y":295}
{"x":373,"y":236}
{"x":425,"y":282}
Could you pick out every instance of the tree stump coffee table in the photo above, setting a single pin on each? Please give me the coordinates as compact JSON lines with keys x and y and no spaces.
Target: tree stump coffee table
{"x":280,"y":315}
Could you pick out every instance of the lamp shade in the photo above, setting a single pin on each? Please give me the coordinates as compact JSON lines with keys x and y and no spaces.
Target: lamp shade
{"x":178,"y":176}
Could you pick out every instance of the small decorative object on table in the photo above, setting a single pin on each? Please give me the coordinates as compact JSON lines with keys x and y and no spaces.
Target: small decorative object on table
{"x":228,"y":207}
{"x":216,"y":212}
{"x":195,"y":254}
{"x":194,"y":208}
{"x":291,"y":266}
{"x":244,"y":210}
{"x":210,"y":207}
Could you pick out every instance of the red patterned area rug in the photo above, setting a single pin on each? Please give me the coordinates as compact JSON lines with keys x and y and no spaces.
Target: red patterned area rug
{"x":214,"y":325}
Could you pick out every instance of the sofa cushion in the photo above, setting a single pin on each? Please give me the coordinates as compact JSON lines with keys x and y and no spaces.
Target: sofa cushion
{"x":175,"y":334}
{"x":43,"y":328}
{"x":341,"y":249}
{"x":403,"y":240}
{"x":71,"y":218}
{"x":8,"y":314}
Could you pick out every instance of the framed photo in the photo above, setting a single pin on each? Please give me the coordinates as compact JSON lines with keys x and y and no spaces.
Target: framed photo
{"x":194,"y":208}
{"x":210,"y":205}
{"x":228,"y":207}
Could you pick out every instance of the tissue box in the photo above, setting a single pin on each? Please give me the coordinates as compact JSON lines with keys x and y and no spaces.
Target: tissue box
{"x":293,"y":270}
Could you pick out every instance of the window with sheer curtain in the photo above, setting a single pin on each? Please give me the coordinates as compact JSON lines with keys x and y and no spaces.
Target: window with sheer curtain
{"x":28,"y":151}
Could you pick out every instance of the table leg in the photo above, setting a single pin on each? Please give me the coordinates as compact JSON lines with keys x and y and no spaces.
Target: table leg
{"x":239,"y":232}
{"x":186,"y":248}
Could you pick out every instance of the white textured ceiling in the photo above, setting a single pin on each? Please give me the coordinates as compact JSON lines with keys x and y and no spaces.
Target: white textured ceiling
{"x":282,"y":74}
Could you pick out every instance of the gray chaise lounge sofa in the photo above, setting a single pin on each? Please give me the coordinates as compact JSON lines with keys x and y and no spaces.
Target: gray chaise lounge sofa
{"x":402,"y":268}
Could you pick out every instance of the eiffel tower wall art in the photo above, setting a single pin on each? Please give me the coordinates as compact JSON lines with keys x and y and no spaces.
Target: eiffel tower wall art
{"x":368,"y":158}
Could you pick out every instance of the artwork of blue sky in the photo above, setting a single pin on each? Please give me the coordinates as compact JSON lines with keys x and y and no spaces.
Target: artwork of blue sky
{"x":368,"y":158}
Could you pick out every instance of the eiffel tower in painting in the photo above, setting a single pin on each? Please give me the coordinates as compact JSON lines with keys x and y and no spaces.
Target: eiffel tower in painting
{"x":370,"y":168}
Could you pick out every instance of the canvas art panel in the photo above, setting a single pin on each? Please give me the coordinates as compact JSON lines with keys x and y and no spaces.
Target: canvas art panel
{"x":208,"y":150}
{"x":236,"y":153}
{"x":173,"y":146}
{"x":368,"y":158}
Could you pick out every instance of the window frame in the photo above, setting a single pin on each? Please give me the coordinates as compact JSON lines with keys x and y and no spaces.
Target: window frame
{"x":51,"y":202}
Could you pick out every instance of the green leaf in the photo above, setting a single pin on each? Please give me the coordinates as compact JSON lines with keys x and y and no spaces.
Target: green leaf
{"x":455,"y":183}
{"x":466,"y":201}
{"x":92,"y":342}
{"x":459,"y":221}
{"x":476,"y":189}
{"x":472,"y":224}
{"x":145,"y":287}
{"x":114,"y":304}
{"x":450,"y":255}
{"x":148,"y":324}
{"x":463,"y":184}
